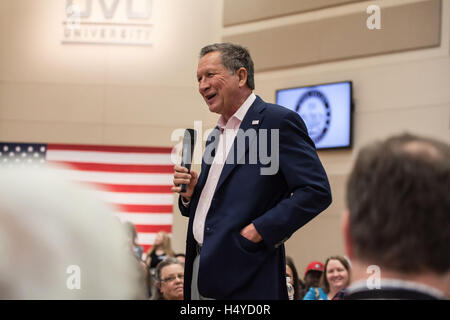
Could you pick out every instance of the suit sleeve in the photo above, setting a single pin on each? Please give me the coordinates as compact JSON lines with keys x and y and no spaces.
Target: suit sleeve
{"x":307,"y":182}
{"x":183,"y":209}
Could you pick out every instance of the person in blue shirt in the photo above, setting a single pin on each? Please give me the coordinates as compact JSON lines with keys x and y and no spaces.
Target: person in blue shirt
{"x":313,"y":273}
{"x":315,"y":294}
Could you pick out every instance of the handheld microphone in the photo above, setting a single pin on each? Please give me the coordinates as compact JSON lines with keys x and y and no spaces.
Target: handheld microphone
{"x":190,"y":136}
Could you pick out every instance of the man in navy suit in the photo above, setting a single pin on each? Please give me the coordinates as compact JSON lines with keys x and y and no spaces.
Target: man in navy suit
{"x":245,"y":204}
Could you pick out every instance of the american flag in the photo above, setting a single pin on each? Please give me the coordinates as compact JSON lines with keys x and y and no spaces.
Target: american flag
{"x":135,"y":180}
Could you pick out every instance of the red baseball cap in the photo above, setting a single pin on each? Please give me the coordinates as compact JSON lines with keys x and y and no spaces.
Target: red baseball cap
{"x":315,"y":265}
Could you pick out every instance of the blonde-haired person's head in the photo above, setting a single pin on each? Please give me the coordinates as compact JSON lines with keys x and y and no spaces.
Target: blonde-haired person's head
{"x":164,"y":243}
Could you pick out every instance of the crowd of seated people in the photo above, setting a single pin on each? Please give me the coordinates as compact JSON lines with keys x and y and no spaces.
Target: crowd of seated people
{"x":390,"y":185}
{"x":397,"y":220}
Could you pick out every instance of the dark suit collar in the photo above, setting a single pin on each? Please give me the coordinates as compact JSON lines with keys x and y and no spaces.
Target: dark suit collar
{"x":393,"y":289}
{"x":254,"y":113}
{"x":239,"y":114}
{"x":389,"y":294}
{"x":208,"y":155}
{"x":252,"y":120}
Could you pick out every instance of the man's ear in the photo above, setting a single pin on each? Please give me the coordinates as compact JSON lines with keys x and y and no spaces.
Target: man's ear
{"x":242,"y":74}
{"x":345,"y":226}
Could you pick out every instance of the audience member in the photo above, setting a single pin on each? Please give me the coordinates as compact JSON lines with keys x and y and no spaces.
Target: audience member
{"x":181,"y":257}
{"x":136,"y":248}
{"x":291,"y":272}
{"x":59,"y":241}
{"x":169,"y":276}
{"x":397,"y":227}
{"x":313,"y":273}
{"x":149,"y":285}
{"x":162,"y":249}
{"x":336,"y":277}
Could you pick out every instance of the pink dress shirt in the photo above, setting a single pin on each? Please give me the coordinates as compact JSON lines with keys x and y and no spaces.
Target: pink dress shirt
{"x":228,"y":134}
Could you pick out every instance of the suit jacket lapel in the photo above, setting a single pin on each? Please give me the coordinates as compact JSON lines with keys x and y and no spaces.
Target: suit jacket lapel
{"x":252,"y":120}
{"x":208,"y":156}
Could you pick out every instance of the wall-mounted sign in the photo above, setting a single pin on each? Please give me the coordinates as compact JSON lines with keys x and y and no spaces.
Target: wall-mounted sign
{"x":119,"y":22}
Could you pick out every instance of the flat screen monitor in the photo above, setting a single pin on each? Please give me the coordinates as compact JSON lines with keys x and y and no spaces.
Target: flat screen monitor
{"x":326,"y":110}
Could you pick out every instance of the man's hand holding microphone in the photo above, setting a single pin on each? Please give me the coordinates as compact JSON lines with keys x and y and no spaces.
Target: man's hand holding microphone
{"x":183,"y":176}
{"x":185,"y":179}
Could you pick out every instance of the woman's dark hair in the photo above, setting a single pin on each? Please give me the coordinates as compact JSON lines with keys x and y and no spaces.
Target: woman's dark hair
{"x":312,"y":279}
{"x":297,"y":287}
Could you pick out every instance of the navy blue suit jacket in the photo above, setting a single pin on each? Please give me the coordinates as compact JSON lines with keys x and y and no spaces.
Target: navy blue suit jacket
{"x":231,"y":266}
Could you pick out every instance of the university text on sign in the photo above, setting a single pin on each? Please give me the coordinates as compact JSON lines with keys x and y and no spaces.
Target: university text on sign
{"x":119,"y":22}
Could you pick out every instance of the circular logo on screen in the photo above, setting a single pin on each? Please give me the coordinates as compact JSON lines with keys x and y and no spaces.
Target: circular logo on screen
{"x":314,"y":108}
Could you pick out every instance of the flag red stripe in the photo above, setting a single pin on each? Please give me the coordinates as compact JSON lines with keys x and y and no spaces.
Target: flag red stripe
{"x":76,"y":147}
{"x":146,"y":247}
{"x":107,"y":167}
{"x":153,"y":228}
{"x":138,"y":208}
{"x":134,"y":188}
{"x":140,"y":168}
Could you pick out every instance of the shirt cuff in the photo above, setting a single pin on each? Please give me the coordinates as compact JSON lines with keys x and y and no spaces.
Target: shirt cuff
{"x":185,"y":202}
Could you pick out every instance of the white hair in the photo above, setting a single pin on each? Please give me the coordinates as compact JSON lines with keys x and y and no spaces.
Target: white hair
{"x":59,"y":241}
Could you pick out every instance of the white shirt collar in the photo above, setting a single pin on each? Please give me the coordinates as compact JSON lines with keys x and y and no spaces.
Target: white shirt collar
{"x":240,"y":113}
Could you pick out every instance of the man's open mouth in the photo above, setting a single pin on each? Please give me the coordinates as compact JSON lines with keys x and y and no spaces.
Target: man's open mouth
{"x":210,"y":97}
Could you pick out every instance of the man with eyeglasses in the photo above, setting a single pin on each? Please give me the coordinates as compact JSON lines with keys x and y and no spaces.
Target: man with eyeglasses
{"x":169,"y":280}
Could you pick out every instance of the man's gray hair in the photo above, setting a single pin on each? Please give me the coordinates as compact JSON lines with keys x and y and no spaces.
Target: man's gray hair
{"x":233,"y":57}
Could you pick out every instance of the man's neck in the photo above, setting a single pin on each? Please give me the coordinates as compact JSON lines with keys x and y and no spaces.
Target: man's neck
{"x":239,"y":102}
